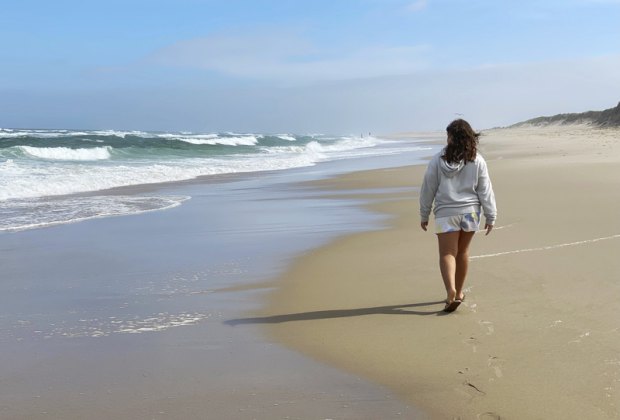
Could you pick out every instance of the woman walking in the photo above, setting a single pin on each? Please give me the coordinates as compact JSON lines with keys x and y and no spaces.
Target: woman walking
{"x":457,"y":181}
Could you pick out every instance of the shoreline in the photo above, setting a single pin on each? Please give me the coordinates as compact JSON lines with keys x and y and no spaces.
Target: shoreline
{"x":535,"y":338}
{"x":123,"y":198}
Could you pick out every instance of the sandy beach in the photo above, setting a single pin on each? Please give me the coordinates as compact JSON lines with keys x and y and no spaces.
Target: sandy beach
{"x":210,"y":210}
{"x":351,"y":326}
{"x":537,"y":336}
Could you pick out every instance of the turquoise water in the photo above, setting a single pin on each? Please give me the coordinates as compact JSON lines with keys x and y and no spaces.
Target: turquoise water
{"x":41,"y":171}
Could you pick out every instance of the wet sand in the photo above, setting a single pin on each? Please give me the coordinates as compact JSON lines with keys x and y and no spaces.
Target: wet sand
{"x":538,"y":335}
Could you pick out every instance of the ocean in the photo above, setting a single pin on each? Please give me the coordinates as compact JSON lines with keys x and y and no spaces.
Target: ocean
{"x":111,"y":316}
{"x":50,"y":177}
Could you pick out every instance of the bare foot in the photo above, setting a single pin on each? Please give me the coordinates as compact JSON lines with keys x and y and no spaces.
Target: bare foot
{"x":451,"y":296}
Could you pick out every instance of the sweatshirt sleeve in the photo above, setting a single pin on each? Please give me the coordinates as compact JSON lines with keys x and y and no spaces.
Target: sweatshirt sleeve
{"x":428,"y":190}
{"x":485,"y":194}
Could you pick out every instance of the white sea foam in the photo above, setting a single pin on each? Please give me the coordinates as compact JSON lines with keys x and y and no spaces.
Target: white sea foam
{"x":355,"y":147}
{"x":213,"y":139}
{"x":337,"y":150}
{"x":230,"y":133}
{"x":17,"y":134}
{"x":36,"y":213}
{"x":315,"y":150}
{"x":6,"y":133}
{"x":116,"y":133}
{"x":349,"y":143}
{"x":65,"y":153}
{"x":173,"y":136}
{"x":97,"y":327}
{"x":225,"y":141}
{"x":286,"y":137}
{"x":41,"y":133}
{"x":22,"y":180}
{"x":34,"y":172}
{"x":312,"y":152}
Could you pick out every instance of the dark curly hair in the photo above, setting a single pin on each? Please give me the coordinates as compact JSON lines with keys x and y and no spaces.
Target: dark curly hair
{"x":462,"y":144}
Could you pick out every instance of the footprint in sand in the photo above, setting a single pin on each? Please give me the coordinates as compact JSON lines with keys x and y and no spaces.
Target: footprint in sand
{"x":470,"y":391}
{"x":493,"y":363}
{"x":473,"y":342}
{"x":489,"y":416}
{"x":581,"y":336}
{"x":488,"y":325}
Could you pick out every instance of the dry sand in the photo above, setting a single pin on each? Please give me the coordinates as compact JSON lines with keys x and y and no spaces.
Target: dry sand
{"x":538,"y":335}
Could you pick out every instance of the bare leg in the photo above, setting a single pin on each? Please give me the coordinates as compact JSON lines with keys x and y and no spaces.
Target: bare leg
{"x":462,"y":261}
{"x":448,"y":250}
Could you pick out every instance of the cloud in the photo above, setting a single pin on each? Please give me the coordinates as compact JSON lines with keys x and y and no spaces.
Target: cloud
{"x":287,"y":57}
{"x":417,"y":5}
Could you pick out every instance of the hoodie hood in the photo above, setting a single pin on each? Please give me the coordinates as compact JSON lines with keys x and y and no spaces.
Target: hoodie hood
{"x":450,"y":169}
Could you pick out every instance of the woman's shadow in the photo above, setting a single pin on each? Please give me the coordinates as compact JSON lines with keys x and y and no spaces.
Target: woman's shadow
{"x":339,"y":313}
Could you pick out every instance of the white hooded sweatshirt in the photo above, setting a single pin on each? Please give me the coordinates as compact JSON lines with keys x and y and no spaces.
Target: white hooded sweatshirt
{"x":457,"y":188}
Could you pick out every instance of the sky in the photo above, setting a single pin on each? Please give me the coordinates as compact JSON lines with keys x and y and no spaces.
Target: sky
{"x":307,"y":66}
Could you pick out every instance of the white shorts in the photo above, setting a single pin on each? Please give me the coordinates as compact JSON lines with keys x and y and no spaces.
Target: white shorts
{"x":468,"y":222}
